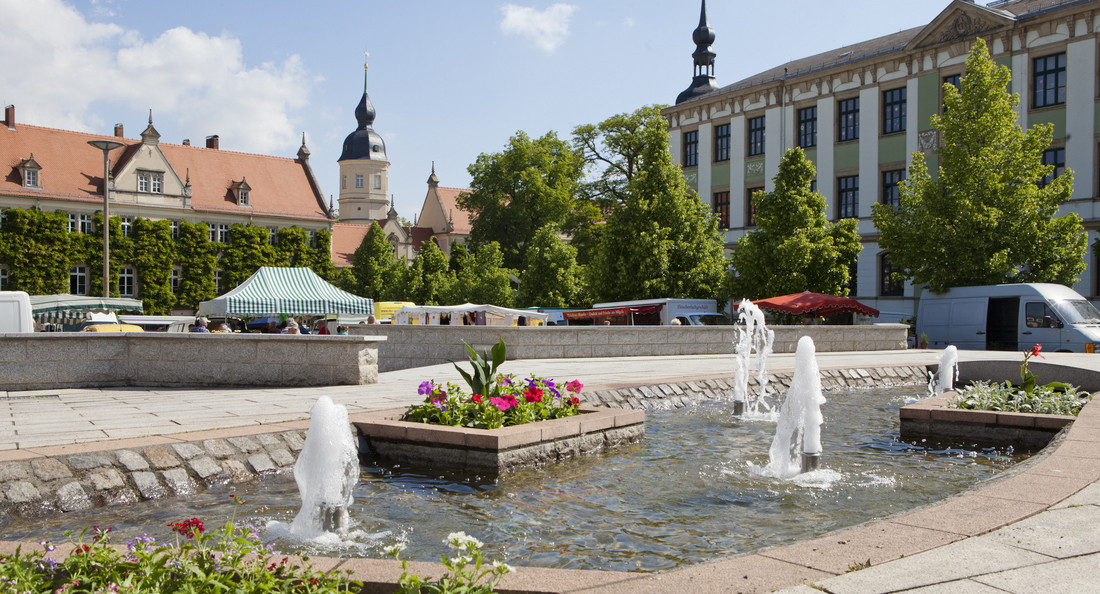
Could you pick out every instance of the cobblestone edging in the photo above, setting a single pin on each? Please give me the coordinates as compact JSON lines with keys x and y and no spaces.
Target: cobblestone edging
{"x":689,"y":393}
{"x":81,"y":481}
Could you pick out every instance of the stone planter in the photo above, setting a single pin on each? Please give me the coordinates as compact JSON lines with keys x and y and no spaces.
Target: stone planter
{"x":931,"y":419}
{"x":496,"y":450}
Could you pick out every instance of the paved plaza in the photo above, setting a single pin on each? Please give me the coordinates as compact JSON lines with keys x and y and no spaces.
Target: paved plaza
{"x":1050,"y":541}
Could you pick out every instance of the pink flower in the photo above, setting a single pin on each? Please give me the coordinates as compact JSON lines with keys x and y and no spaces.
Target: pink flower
{"x":573,"y":386}
{"x":500,"y":403}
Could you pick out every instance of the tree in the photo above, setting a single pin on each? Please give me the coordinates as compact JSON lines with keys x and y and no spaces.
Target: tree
{"x":429,"y":280}
{"x":515,"y":192}
{"x":483,"y":278}
{"x":551,"y":276}
{"x":794,"y":248}
{"x":662,"y":241}
{"x":375,"y":266}
{"x":988,"y":217}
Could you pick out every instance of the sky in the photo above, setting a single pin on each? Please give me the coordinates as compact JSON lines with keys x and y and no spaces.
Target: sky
{"x":450,"y":80}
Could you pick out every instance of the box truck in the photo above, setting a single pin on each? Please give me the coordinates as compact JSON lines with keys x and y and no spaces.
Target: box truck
{"x":651,"y":312}
{"x":15,"y":312}
{"x":1010,"y":318}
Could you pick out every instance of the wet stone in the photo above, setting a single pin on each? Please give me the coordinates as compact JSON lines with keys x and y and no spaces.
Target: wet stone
{"x":72,"y":497}
{"x":49,"y":469}
{"x":205,"y":467}
{"x":21,"y":492}
{"x":282,"y":457}
{"x":148,"y":485}
{"x":106,"y":480}
{"x":87,"y":461}
{"x":244,"y":444}
{"x":161,"y":457}
{"x":236,"y":469}
{"x":121,"y":496}
{"x":187,"y":451}
{"x":132,"y":461}
{"x":218,"y":448}
{"x":261,"y":463}
{"x":179,"y":481}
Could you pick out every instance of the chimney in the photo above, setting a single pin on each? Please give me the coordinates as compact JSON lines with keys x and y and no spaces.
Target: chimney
{"x":186,"y":142}
{"x":9,"y":116}
{"x":118,"y":131}
{"x":212,"y":142}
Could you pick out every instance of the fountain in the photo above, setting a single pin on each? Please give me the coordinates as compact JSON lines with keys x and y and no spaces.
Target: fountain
{"x":799,"y":419}
{"x":326,"y":472}
{"x":948,"y":372}
{"x":754,"y":336}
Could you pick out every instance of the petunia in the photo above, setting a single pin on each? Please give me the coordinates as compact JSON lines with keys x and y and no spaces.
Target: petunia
{"x":573,"y":386}
{"x":425,"y":388}
{"x":476,"y":398}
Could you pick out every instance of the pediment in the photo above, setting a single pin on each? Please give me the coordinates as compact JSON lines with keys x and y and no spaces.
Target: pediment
{"x":960,"y":21}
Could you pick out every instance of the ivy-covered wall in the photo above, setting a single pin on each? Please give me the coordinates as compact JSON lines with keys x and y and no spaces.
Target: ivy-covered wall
{"x":38,"y":252}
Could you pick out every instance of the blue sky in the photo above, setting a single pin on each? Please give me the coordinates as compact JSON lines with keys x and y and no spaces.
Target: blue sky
{"x":450,"y":79}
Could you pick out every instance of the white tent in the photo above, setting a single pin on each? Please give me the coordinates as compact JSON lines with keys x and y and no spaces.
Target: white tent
{"x":486,"y":315}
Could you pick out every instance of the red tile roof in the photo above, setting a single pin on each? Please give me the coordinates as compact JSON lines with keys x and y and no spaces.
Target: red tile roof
{"x":346,"y":238}
{"x":449,"y":197}
{"x":72,"y":170}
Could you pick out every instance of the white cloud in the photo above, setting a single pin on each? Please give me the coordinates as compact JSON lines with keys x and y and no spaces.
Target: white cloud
{"x":547,"y":29}
{"x":628,"y":22}
{"x":65,"y":66}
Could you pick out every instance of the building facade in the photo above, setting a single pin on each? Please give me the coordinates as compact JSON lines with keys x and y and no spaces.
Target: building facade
{"x":861,"y":111}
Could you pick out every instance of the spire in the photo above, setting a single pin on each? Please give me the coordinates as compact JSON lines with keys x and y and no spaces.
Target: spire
{"x":150,"y":135}
{"x":303,"y":152}
{"x":703,"y":58}
{"x":392,"y":214}
{"x":433,"y":181}
{"x":364,"y":142}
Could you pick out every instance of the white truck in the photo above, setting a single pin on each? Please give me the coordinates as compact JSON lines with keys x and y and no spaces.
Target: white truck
{"x":15,"y":312}
{"x":1011,"y":317}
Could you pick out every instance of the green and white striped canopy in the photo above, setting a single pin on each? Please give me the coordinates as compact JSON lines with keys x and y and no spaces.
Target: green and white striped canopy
{"x":294,"y":291}
{"x":74,"y":309}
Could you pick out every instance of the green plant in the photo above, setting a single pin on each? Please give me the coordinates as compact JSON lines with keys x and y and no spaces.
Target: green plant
{"x":466,"y":570}
{"x":484,"y":366}
{"x":856,"y":566}
{"x":1008,"y":398}
{"x":514,"y":403}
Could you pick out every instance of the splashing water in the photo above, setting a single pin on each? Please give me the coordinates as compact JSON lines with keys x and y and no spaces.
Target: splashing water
{"x":798,"y":430}
{"x":754,"y":336}
{"x":326,"y":472}
{"x":948,"y":372}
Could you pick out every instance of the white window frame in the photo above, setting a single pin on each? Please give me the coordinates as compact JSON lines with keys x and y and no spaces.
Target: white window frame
{"x":358,"y":181}
{"x":272,"y":235}
{"x":127,"y":281}
{"x":30,"y":179}
{"x":127,"y":224}
{"x":79,"y":275}
{"x":223,"y":233}
{"x":3,"y":278}
{"x":174,"y":227}
{"x":87,"y":224}
{"x":143,"y":181}
{"x":158,"y":183}
{"x":71,"y":224}
{"x":218,"y":281}
{"x":213,"y":232}
{"x":243,"y":199}
{"x":174,"y":278}
{"x":377,"y":182}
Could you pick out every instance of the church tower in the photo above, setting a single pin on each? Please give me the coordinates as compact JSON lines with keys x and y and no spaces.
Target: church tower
{"x":703,"y":57}
{"x":364,"y":170}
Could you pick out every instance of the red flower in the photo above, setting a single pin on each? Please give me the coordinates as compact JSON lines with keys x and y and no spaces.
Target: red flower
{"x":81,"y":549}
{"x":188,"y":528}
{"x":1035,"y":351}
{"x":532,"y":395}
{"x":476,"y":398}
{"x":575,"y":401}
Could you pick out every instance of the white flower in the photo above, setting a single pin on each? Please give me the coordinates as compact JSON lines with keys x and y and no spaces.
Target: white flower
{"x":506,"y":568}
{"x":394,"y":550}
{"x":460,"y":541}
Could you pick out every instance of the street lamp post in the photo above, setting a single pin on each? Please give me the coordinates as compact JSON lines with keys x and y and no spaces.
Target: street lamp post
{"x":106,"y":146}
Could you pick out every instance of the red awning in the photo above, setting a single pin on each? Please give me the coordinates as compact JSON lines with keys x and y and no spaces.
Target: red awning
{"x":816,"y":304}
{"x":610,"y":312}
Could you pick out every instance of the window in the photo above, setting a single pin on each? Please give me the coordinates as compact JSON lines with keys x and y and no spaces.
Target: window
{"x":127,"y":224}
{"x":175,"y":227}
{"x":847,"y":197}
{"x":30,"y":178}
{"x":358,"y":180}
{"x":756,"y":136}
{"x":893,"y":111}
{"x":312,"y":239}
{"x":78,"y":280}
{"x":807,"y":127}
{"x":1057,"y":158}
{"x":722,"y":209}
{"x":85,"y":224}
{"x":750,"y":206}
{"x":213,"y":232}
{"x":344,"y":183}
{"x":853,"y":278}
{"x":1039,"y":315}
{"x":158,"y":183}
{"x":722,"y":143}
{"x":150,"y":182}
{"x":174,"y":279}
{"x":127,"y":282}
{"x":273,"y":236}
{"x":72,"y":224}
{"x":218,"y":281}
{"x":3,"y":279}
{"x":377,"y":182}
{"x":1049,"y":81}
{"x":223,"y":233}
{"x":890,"y":180}
{"x":243,"y":200}
{"x":848,"y":119}
{"x":691,"y":148}
{"x":954,"y":80}
{"x":889,"y":286}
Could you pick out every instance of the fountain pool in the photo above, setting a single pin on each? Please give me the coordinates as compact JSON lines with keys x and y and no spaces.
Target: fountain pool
{"x":693,"y":491}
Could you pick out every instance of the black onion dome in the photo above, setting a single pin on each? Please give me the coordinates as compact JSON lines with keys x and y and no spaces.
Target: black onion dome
{"x":364,"y":142}
{"x":703,"y":34}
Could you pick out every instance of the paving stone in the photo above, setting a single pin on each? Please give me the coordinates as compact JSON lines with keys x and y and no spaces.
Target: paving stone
{"x":49,"y":469}
{"x":148,"y":485}
{"x":106,"y":479}
{"x":179,"y":481}
{"x":132,"y":460}
{"x":218,"y":448}
{"x":236,"y":469}
{"x":283,"y":458}
{"x":205,"y":467}
{"x":245,"y":444}
{"x":73,"y":497}
{"x":10,"y":471}
{"x":1079,"y":574}
{"x":161,"y":457}
{"x":295,"y":440}
{"x":87,"y":461}
{"x":187,"y":451}
{"x":269,"y":440}
{"x":120,"y":496}
{"x":261,"y":463}
{"x":21,"y":492}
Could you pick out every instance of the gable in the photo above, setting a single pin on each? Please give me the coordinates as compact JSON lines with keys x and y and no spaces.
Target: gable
{"x":960,"y":21}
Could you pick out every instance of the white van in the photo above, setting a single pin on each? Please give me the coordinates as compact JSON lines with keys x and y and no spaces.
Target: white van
{"x":686,"y":312}
{"x":15,"y":312}
{"x":1010,"y":318}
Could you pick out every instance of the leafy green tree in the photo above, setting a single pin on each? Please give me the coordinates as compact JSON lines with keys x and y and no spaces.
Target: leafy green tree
{"x":197,"y":258}
{"x":152,"y":249}
{"x":248,"y":249}
{"x":429,"y":280}
{"x":662,"y":241}
{"x":987,"y":217}
{"x":35,"y":247}
{"x":794,"y":248}
{"x":551,"y":276}
{"x":483,"y":278}
{"x":460,"y":255}
{"x":515,"y":192}
{"x":375,"y":266}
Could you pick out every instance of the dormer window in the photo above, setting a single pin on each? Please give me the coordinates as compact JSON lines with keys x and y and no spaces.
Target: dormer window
{"x":150,"y":182}
{"x":31,"y":172}
{"x":241,"y":191}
